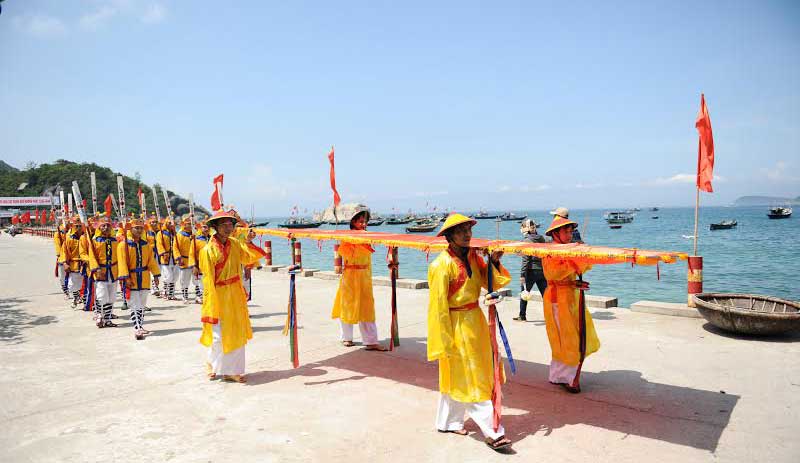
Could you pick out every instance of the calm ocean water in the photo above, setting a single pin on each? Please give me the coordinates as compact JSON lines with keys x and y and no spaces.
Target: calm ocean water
{"x":758,"y":256}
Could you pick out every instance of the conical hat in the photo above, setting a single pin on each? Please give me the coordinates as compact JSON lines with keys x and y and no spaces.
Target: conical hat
{"x":222,"y":214}
{"x":453,"y":220}
{"x":557,"y":223}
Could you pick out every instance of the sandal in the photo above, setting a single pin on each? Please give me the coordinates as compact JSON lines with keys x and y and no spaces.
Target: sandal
{"x":498,"y":444}
{"x":348,"y":343}
{"x":139,"y":335}
{"x":460,"y":432}
{"x":234,"y":379}
{"x":376,"y":347}
{"x":520,"y":319}
{"x":210,"y":372}
{"x":109,"y":324}
{"x":568,"y":388}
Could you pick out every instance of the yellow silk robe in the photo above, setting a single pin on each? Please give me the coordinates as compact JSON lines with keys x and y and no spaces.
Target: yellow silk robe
{"x":564,"y":339}
{"x":183,"y":246}
{"x":224,"y":298}
{"x":58,"y":240}
{"x":199,"y":243}
{"x":354,"y":302}
{"x":104,"y":255}
{"x":165,"y":241}
{"x":71,"y":252}
{"x":138,"y":261}
{"x":460,"y":340}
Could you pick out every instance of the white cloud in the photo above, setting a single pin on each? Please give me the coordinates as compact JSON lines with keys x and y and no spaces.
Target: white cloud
{"x":504,"y":188}
{"x":528,"y":189}
{"x":681,"y":179}
{"x":155,"y":13}
{"x":41,"y":26}
{"x":98,"y":17}
{"x":779,"y":172}
{"x":425,"y":194}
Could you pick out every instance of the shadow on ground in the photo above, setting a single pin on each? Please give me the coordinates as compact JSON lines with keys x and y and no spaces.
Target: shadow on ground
{"x":14,"y":320}
{"x":618,"y":400}
{"x":786,"y":337}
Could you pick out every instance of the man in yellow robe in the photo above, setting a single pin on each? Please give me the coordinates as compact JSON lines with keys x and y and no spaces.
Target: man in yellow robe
{"x":137,"y":262}
{"x":458,"y":335}
{"x":165,"y":244}
{"x":70,"y":259}
{"x":200,"y":242}
{"x":103,"y":269}
{"x":182,"y":250}
{"x":58,"y":241}
{"x":354,"y":302}
{"x":226,"y":322}
{"x":562,"y":312}
{"x":151,"y":229}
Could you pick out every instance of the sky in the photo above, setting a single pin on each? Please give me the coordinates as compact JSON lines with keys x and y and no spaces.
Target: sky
{"x":511,"y":105}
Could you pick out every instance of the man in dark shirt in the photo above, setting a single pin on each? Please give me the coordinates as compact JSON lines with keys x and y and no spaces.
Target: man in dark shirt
{"x":531,"y":271}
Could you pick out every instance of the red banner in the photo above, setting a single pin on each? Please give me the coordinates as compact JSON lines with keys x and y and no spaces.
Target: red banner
{"x":705,"y":148}
{"x":336,"y":198}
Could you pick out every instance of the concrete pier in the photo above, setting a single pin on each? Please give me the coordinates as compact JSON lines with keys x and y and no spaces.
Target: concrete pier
{"x":661,"y":388}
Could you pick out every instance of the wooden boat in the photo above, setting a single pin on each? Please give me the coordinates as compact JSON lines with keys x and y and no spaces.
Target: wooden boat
{"x":261,"y":224}
{"x":484,"y":215}
{"x":299,"y":223}
{"x":618,"y":217}
{"x":423,"y":227}
{"x":779,"y":212}
{"x":400,"y":220}
{"x":724,"y":225}
{"x":749,"y":313}
{"x":615,"y":227}
{"x":376,"y":222}
{"x":511,"y":217}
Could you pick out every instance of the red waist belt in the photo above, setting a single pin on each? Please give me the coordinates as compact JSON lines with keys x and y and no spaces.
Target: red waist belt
{"x":465,"y":307}
{"x":355,"y":267}
{"x":229,"y":281}
{"x":554,"y":284}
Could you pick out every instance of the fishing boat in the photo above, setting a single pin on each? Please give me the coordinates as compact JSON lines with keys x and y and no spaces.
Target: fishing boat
{"x":653,"y":209}
{"x":724,"y":225}
{"x":261,"y":224}
{"x":400,"y":220}
{"x":617,"y":217}
{"x":299,"y":223}
{"x":376,"y":222}
{"x":484,"y":215}
{"x":749,"y":313}
{"x":779,"y":212}
{"x":615,"y":227}
{"x":423,"y":227}
{"x":654,"y":217}
{"x":511,"y":217}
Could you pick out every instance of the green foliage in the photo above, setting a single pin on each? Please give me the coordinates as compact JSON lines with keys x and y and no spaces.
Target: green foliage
{"x":47,"y":178}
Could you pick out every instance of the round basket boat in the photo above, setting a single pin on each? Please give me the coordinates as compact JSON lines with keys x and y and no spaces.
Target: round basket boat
{"x":749,"y":313}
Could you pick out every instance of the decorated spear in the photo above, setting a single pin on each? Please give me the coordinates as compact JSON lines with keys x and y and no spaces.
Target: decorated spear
{"x":94,"y":193}
{"x":63,"y":208}
{"x":116,"y":208}
{"x":155,"y":202}
{"x":166,"y":201}
{"x":76,"y":191}
{"x":124,"y":222}
{"x":70,"y":208}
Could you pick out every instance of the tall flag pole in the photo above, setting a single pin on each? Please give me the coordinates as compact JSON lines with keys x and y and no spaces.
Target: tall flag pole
{"x":705,"y":159}
{"x":166,"y":201}
{"x":142,"y":202}
{"x":63,"y":208}
{"x":336,"y":198}
{"x":217,"y":201}
{"x":155,"y":204}
{"x":94,"y":193}
{"x":116,"y":208}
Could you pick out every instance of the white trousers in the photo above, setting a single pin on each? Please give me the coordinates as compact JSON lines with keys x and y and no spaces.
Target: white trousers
{"x":450,"y":416}
{"x":369,"y":332}
{"x":231,"y":363}
{"x":75,"y":282}
{"x":561,"y":372}
{"x":185,"y":276}
{"x":136,"y":304}
{"x":169,"y":273}
{"x":60,"y":270}
{"x":105,"y":292}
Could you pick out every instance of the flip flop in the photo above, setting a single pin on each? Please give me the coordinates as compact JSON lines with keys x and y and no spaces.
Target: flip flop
{"x":234,"y":379}
{"x":348,"y":343}
{"x":460,"y":432}
{"x":376,"y":347}
{"x":498,"y":444}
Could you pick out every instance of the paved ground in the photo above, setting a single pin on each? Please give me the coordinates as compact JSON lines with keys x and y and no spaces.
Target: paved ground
{"x":660,"y":389}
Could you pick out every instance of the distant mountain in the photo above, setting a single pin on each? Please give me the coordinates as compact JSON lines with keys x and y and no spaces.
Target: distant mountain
{"x":765,"y":201}
{"x":49,"y":178}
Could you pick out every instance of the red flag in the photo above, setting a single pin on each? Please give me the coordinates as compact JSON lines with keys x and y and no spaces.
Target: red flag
{"x":108,"y":204}
{"x":336,"y":198}
{"x":44,"y":217}
{"x":26,"y":217}
{"x":52,"y":216}
{"x":216,"y":196}
{"x":15,"y":219}
{"x":705,"y":148}
{"x":140,"y":197}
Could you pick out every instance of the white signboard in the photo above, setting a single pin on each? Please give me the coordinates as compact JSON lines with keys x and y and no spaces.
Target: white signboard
{"x":15,"y":201}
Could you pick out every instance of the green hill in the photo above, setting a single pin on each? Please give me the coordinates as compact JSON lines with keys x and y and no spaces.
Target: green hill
{"x":48,"y":178}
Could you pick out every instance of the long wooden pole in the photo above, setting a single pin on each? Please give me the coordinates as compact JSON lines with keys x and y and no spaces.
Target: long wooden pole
{"x":696,"y":217}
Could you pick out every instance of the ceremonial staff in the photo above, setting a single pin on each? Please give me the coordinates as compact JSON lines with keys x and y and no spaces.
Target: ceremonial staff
{"x":166,"y":201}
{"x":63,"y":209}
{"x":124,"y":222}
{"x":94,"y":193}
{"x":191,"y":219}
{"x":155,"y":202}
{"x":76,"y":191}
{"x":116,"y":208}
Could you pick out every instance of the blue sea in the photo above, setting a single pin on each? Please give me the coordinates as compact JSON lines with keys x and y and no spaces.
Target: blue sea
{"x":759,"y":256}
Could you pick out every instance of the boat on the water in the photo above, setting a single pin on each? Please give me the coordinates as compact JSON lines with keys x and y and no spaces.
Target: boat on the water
{"x":423,"y":227}
{"x":484,"y":215}
{"x":511,"y":217}
{"x":615,"y":227}
{"x":617,"y":217}
{"x":749,"y":313}
{"x":724,"y":225}
{"x":400,"y":220}
{"x":299,"y":223}
{"x":654,"y":209}
{"x":654,"y":217}
{"x":779,"y":212}
{"x":376,"y":222}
